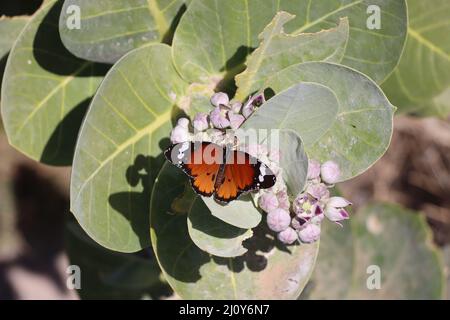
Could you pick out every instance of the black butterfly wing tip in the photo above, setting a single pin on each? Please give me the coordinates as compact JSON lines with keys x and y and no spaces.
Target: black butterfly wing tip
{"x":268,"y":182}
{"x":168,"y":152}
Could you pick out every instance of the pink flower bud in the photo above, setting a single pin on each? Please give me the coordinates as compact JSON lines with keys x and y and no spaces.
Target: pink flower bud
{"x":220,"y":98}
{"x":330,"y":172}
{"x":278,"y":220}
{"x":219,"y":118}
{"x":236,"y":107}
{"x":283,"y":200}
{"x":268,"y":201}
{"x":309,"y":233}
{"x":183,"y":122}
{"x":288,"y":236}
{"x":235,"y":120}
{"x":313,"y":169}
{"x":181,"y":132}
{"x":318,"y":190}
{"x":247,"y":110}
{"x":200,"y":122}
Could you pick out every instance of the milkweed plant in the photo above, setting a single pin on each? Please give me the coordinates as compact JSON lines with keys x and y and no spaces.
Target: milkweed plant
{"x":106,"y":87}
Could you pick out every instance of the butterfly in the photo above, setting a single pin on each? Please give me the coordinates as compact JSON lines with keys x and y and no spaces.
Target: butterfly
{"x":220,"y":171}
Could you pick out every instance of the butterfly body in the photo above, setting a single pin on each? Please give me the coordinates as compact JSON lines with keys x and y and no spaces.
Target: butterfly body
{"x":222,"y":172}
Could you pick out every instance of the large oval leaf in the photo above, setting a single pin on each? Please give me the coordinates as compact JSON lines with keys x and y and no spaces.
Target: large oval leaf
{"x":421,"y":83}
{"x":119,"y":148}
{"x":309,"y":109}
{"x":214,"y":37}
{"x":363,"y":127}
{"x":279,"y":50}
{"x":264,"y":272}
{"x":395,"y":240}
{"x":214,"y":235}
{"x":46,"y":91}
{"x":240,"y":213}
{"x":111,"y":28}
{"x":10,"y":29}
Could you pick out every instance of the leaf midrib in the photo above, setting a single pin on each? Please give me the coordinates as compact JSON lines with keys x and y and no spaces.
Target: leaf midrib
{"x":62,"y":85}
{"x":157,"y":123}
{"x":160,"y":20}
{"x":428,"y":44}
{"x":324,"y":17}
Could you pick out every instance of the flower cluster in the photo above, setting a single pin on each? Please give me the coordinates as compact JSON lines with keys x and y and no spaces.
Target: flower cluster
{"x":303,"y":218}
{"x":212,"y":126}
{"x":299,"y":220}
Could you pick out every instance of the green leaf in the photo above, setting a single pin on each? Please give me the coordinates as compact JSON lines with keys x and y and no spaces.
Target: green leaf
{"x":263,"y":272}
{"x":240,"y":213}
{"x":446,"y":254}
{"x":279,"y":50}
{"x":119,"y":150}
{"x":109,"y":29}
{"x":212,"y":234}
{"x":46,"y":91}
{"x":309,"y":109}
{"x":107,"y":274}
{"x":214,"y":37}
{"x":10,"y":29}
{"x":362,"y":131}
{"x":421,"y":82}
{"x":293,"y":161}
{"x":396,"y":240}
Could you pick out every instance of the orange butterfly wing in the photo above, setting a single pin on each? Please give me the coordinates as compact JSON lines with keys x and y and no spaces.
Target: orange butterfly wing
{"x":200,"y":161}
{"x":203,"y":162}
{"x":242,"y":174}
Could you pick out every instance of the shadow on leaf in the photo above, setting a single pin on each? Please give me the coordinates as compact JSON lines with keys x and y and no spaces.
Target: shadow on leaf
{"x":60,"y":146}
{"x":133,"y":205}
{"x":51,"y":54}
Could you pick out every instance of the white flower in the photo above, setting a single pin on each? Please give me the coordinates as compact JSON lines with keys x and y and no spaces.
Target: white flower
{"x":334,"y":209}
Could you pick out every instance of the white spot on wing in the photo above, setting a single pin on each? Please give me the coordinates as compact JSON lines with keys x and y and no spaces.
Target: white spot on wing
{"x":182,"y":149}
{"x":262,"y":170}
